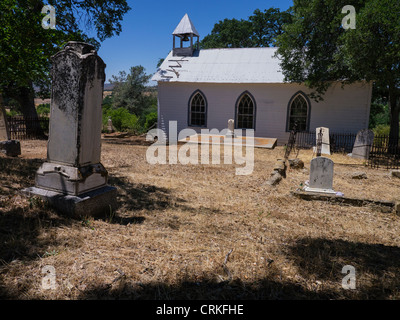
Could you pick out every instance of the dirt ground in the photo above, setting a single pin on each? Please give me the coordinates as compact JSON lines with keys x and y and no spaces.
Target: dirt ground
{"x":199,"y":232}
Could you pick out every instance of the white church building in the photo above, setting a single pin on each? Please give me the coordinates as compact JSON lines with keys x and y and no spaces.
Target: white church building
{"x":205,"y":88}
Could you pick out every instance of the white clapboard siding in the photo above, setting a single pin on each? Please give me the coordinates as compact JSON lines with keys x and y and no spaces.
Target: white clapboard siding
{"x":343,"y":110}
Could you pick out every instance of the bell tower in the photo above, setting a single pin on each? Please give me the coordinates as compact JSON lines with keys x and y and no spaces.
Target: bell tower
{"x":185,"y":31}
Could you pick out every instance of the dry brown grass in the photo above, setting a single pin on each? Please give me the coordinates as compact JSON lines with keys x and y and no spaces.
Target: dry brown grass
{"x":177,"y":223}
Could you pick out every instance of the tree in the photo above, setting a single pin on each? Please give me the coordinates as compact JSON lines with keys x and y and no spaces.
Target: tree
{"x":260,"y":30}
{"x":129,"y":90}
{"x":26,"y":47}
{"x":372,"y":52}
{"x":229,"y":33}
{"x":316,"y":50}
{"x":267,"y":25}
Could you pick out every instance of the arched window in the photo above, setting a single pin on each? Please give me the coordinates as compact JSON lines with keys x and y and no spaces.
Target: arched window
{"x":197,"y":110}
{"x":245,"y":112}
{"x":298,"y":111}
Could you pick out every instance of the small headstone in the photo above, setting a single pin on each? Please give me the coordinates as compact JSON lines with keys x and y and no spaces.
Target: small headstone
{"x":231,"y":128}
{"x":110,"y":127}
{"x":325,"y":147}
{"x":72,"y":178}
{"x":4,"y":132}
{"x":363,"y":144}
{"x":321,"y":176}
{"x":11,"y":148}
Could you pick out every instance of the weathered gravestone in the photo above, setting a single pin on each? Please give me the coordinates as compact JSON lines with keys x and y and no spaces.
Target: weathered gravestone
{"x":321,"y":176}
{"x":4,"y":132}
{"x":363,"y":144}
{"x":72,"y":178}
{"x":325,"y":147}
{"x":231,"y":128}
{"x":110,"y":127}
{"x":10,"y":147}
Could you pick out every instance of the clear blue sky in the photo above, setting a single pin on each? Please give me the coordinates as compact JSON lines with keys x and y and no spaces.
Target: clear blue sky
{"x":147,"y":28}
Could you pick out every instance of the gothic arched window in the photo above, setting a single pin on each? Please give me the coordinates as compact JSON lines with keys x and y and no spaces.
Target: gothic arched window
{"x":197,"y":110}
{"x":298,"y":111}
{"x":245,"y":112}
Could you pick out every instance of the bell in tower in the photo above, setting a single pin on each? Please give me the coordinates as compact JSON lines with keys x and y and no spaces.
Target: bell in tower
{"x":185,"y":31}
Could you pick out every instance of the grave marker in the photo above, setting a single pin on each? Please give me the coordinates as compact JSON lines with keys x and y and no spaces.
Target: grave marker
{"x":325,"y":147}
{"x":363,"y":144}
{"x":4,"y":132}
{"x":11,"y":148}
{"x":72,"y":178}
{"x":321,"y":176}
{"x":231,"y":128}
{"x":110,"y":127}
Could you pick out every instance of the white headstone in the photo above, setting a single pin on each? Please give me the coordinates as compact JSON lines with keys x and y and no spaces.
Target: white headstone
{"x":110,"y":127}
{"x":321,"y":175}
{"x":363,"y":144}
{"x":231,"y":128}
{"x":325,"y":148}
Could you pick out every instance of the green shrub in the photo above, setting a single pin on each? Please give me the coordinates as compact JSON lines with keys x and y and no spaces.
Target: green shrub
{"x":381,"y":130}
{"x":43,"y":109}
{"x":12,"y":113}
{"x":122,"y":120}
{"x":151,"y":119}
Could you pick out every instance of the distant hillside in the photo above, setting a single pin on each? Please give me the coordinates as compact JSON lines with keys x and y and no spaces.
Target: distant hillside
{"x":108,"y":86}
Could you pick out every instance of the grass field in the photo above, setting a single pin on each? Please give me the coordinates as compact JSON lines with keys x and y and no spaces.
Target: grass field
{"x":199,"y":232}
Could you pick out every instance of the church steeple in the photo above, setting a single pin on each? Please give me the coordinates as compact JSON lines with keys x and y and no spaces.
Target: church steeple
{"x":185,"y":31}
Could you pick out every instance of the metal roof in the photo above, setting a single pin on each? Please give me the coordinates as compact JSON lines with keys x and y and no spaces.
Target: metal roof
{"x":185,"y":26}
{"x":236,"y":65}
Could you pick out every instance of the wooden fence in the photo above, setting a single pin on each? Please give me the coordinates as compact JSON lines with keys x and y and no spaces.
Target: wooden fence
{"x":28,"y":128}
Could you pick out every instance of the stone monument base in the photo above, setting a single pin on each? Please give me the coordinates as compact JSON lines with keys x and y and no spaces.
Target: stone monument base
{"x":71,"y":180}
{"x":98,"y":202}
{"x":11,"y":148}
{"x":318,"y":190}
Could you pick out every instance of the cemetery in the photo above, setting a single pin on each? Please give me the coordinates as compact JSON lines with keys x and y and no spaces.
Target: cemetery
{"x":86,"y":214}
{"x":113,"y":226}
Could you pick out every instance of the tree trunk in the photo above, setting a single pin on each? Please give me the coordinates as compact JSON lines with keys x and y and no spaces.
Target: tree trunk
{"x":26,"y":99}
{"x":394,"y":120}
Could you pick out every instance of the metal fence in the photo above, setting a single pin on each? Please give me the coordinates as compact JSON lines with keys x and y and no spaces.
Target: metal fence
{"x":28,"y":128}
{"x":384,"y":153}
{"x":339,"y":142}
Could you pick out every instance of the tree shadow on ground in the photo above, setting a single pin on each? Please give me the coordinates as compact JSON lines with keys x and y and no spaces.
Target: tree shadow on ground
{"x":206,"y":289}
{"x":318,"y":260}
{"x":20,"y":232}
{"x":131,"y":141}
{"x":17,"y":173}
{"x":136,"y":197}
{"x":377,"y":266}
